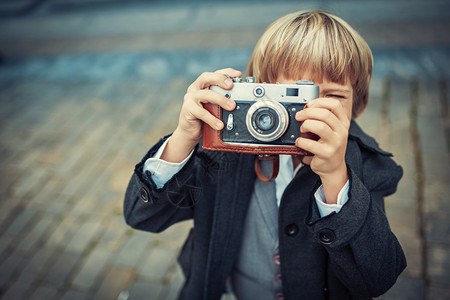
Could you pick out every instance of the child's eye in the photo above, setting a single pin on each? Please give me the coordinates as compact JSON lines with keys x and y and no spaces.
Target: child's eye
{"x":335,"y":96}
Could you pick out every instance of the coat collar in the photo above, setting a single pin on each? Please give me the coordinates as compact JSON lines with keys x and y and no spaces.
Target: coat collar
{"x":363,"y":140}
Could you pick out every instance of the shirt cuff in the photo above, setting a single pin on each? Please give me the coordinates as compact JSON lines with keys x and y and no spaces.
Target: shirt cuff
{"x":162,"y":171}
{"x":324,"y":208}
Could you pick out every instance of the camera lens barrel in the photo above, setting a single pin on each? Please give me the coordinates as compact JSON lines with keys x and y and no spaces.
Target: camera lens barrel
{"x":267,"y":120}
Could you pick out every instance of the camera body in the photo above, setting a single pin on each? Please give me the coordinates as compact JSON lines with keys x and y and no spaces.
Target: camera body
{"x":264,"y":113}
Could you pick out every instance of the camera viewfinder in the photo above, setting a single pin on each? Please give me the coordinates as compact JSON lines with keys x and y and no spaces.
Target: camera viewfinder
{"x":292,"y":92}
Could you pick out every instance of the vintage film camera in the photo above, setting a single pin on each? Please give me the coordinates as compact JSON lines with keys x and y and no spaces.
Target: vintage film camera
{"x":264,"y":117}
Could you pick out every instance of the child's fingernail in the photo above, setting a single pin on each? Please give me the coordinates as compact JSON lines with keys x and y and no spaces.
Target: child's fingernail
{"x":219,"y":125}
{"x":309,"y":104}
{"x":228,"y":82}
{"x":230,"y":104}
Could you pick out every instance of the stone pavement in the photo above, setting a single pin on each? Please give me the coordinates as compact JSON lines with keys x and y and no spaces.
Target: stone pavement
{"x":86,"y":89}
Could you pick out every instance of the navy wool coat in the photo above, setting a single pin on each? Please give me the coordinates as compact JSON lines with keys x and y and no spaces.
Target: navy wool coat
{"x":349,"y":255}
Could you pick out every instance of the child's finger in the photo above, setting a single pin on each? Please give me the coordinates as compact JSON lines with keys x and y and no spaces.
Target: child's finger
{"x":209,"y":96}
{"x":333,"y":105}
{"x":230,"y":72}
{"x":319,"y":128}
{"x":218,"y":78}
{"x":319,"y":114}
{"x":199,"y":113}
{"x":309,"y":145}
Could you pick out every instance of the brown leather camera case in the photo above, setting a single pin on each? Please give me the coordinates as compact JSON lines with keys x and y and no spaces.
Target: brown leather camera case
{"x":212,"y":140}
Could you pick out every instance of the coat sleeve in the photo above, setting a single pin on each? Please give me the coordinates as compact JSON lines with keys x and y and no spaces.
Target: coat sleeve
{"x":147,"y":207}
{"x":363,"y":252}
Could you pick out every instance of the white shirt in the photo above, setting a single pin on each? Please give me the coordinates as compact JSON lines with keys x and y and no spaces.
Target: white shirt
{"x":162,"y":171}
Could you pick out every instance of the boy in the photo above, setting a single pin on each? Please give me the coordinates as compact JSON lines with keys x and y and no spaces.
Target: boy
{"x":318,"y":231}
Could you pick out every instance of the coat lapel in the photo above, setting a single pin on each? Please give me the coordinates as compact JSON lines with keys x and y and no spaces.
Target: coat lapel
{"x":301,"y":258}
{"x":237,"y":178}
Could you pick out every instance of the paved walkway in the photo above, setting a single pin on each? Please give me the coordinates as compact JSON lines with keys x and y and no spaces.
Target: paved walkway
{"x":85,"y":92}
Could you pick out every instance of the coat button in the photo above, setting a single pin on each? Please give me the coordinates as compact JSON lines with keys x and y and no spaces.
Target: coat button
{"x":143,"y":194}
{"x":276,"y":259}
{"x":327,"y":236}
{"x":278,"y":277}
{"x":291,"y":229}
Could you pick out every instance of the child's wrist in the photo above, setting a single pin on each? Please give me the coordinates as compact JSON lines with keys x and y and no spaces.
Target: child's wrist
{"x":178,"y":147}
{"x":334,"y":182}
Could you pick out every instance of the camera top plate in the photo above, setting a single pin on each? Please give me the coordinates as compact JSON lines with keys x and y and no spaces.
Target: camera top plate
{"x":301,"y":92}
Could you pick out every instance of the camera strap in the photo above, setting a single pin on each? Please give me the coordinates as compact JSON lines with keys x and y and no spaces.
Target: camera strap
{"x":275,"y":167}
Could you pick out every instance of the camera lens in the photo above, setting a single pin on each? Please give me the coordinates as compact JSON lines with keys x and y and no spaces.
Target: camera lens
{"x":264,"y":121}
{"x":267,"y":120}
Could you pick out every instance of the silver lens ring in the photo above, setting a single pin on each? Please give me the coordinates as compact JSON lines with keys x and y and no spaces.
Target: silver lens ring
{"x":280,"y":112}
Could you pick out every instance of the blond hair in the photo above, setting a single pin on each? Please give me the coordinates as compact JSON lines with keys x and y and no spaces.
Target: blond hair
{"x":314,"y":42}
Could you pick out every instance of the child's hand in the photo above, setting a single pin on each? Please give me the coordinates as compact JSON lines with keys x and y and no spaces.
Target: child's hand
{"x":188,"y":132}
{"x":192,"y":111}
{"x":327,"y":118}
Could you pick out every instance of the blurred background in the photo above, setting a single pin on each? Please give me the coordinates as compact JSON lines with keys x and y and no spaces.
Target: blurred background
{"x":87,"y":86}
